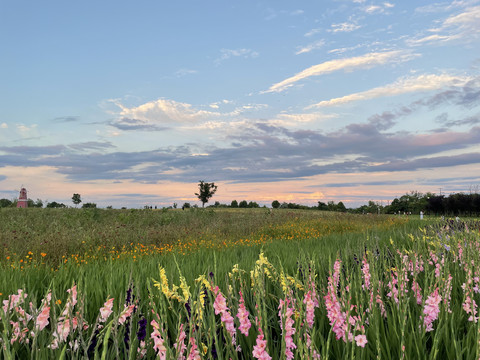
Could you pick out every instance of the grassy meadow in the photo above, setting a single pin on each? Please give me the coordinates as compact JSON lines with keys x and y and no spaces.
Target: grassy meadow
{"x":236,"y":283}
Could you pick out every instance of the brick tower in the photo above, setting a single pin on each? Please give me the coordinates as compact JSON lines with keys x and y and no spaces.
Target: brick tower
{"x":22,"y":199}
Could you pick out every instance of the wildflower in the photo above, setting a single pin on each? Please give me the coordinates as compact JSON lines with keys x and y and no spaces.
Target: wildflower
{"x":259,"y":350}
{"x":366,"y":274}
{"x":431,"y":310}
{"x":418,"y":291}
{"x":180,"y":343}
{"x":288,"y":331}
{"x":106,"y":310}
{"x":361,"y":340}
{"x":158,"y":341}
{"x":142,"y":329}
{"x":220,"y":306}
{"x":14,"y":300}
{"x":243,"y":316}
{"x":126,"y":313}
{"x":42,"y":319}
{"x":194,"y":353}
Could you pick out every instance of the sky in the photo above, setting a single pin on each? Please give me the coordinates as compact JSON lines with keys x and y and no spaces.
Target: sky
{"x":132,"y":103}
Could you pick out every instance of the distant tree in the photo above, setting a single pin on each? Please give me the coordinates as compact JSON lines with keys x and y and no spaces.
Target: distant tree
{"x":322,"y":206}
{"x":341,"y":207}
{"x":253,"y":204}
{"x":5,"y":203}
{"x":76,"y":198}
{"x":89,"y":205}
{"x":37,"y":204}
{"x":234,"y":204}
{"x":109,"y":207}
{"x":205,"y":191}
{"x":54,"y":204}
{"x":174,"y":205}
{"x":243,"y":204}
{"x":275,"y":204}
{"x":186,"y":205}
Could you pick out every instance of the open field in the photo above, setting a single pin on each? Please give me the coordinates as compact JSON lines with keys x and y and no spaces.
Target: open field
{"x":313,"y":283}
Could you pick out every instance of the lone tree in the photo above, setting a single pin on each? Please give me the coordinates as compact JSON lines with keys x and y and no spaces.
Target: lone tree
{"x":76,"y":199}
{"x":205,"y":191}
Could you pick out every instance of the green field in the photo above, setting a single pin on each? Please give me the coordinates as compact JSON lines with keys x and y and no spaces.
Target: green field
{"x":348,"y":286}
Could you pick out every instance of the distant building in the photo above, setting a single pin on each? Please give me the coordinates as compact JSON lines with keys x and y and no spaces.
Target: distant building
{"x":22,"y":199}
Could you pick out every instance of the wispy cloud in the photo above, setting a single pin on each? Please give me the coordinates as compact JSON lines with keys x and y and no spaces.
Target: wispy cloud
{"x":344,"y":27}
{"x":347,"y":64}
{"x":426,"y":82}
{"x":313,"y":46}
{"x":66,"y":119}
{"x":313,"y":32}
{"x":381,"y":8}
{"x":463,"y":26}
{"x":229,"y":53}
{"x":184,"y":72}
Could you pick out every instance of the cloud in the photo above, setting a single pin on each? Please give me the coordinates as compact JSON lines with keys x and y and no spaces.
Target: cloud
{"x":427,"y":82}
{"x":91,"y":145}
{"x":127,"y":124}
{"x":185,"y":72}
{"x":463,"y":26}
{"x":229,"y":53}
{"x":148,"y":116}
{"x":347,"y":64}
{"x":313,"y":46}
{"x":3,"y":126}
{"x":382,"y":8}
{"x":313,"y":32}
{"x":258,"y":152}
{"x":66,"y":119}
{"x":344,"y":27}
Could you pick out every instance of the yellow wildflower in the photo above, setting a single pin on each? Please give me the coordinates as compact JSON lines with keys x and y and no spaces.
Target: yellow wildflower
{"x":185,"y":288}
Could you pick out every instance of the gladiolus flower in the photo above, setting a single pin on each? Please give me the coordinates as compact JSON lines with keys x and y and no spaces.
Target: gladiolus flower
{"x":361,"y":340}
{"x":259,"y":350}
{"x":243,"y":317}
{"x":106,"y":310}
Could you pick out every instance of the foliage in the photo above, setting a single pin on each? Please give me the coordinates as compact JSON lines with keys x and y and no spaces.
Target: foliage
{"x":76,"y":199}
{"x":205,"y":191}
{"x":5,"y":203}
{"x":89,"y":205}
{"x":401,"y":292}
{"x":54,"y":204}
{"x":275,"y":204}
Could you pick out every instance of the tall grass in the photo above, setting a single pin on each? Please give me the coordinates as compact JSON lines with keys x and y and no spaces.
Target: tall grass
{"x":270,"y":257}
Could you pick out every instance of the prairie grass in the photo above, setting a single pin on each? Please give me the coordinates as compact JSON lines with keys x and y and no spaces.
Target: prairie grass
{"x":273,"y":258}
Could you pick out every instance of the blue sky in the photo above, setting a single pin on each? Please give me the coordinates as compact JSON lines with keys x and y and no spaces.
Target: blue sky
{"x":132,"y":103}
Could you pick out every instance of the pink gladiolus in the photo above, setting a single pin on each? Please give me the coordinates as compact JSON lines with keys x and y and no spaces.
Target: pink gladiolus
{"x":158,"y":341}
{"x":126,"y":313}
{"x":194,"y":354}
{"x":180,"y":343}
{"x":361,"y":340}
{"x":366,"y":274}
{"x":418,"y":291}
{"x":106,"y":310}
{"x":42,"y":319}
{"x":242,"y":316}
{"x":14,"y":300}
{"x":289,"y":330}
{"x":220,"y":306}
{"x":431,"y":309}
{"x":310,"y":303}
{"x":259,"y":350}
